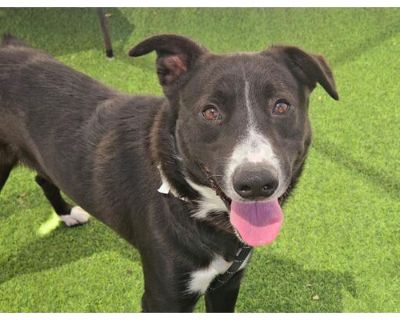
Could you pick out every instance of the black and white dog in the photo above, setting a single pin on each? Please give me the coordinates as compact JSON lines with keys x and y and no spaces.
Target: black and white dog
{"x":191,"y":180}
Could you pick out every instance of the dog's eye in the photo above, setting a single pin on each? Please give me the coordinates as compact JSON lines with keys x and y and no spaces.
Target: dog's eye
{"x":281,"y":107}
{"x":211,"y":113}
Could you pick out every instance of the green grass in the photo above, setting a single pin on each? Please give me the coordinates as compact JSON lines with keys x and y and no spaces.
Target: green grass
{"x":339,"y":250}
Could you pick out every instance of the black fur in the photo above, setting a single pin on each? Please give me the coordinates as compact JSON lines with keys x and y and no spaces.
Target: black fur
{"x":102,"y":149}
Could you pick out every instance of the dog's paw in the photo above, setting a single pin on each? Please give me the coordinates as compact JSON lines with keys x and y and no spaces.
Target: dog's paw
{"x":76,"y":217}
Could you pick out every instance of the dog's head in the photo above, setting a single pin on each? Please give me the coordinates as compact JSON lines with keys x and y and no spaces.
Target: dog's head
{"x":241,"y":123}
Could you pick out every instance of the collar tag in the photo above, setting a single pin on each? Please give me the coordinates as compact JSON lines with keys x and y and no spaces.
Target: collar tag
{"x":164,"y":188}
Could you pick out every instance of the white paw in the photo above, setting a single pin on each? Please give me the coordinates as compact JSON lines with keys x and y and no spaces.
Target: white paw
{"x":77,"y":216}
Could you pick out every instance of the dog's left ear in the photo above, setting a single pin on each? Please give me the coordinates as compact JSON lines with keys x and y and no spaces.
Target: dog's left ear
{"x":176,"y":56}
{"x":310,"y":68}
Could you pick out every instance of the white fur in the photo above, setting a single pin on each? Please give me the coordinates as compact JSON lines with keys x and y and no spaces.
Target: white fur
{"x":201,"y":279}
{"x":250,"y":115}
{"x":77,"y":216}
{"x":165,"y":185}
{"x":209,"y":201}
{"x":254,"y":147}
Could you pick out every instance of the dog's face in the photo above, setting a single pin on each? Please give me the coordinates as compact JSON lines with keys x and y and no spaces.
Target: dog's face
{"x":242,"y":122}
{"x":247,"y":122}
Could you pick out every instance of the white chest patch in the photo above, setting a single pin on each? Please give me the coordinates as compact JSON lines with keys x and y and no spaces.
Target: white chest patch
{"x":201,"y":279}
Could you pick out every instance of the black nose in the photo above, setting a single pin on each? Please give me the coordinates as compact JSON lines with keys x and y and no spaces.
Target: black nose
{"x":255,"y":181}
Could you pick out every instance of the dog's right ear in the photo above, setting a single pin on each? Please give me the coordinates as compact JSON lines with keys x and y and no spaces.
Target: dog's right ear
{"x":176,"y":55}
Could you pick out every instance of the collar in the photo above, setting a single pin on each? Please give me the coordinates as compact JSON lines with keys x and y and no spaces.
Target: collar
{"x":241,"y":256}
{"x":164,"y":152}
{"x":166,"y":187}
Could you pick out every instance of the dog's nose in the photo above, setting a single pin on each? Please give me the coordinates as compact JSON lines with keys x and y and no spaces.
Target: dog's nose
{"x":254,"y":181}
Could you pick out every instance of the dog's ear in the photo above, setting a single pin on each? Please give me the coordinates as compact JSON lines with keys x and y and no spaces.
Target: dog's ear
{"x":310,"y":68}
{"x":176,"y":55}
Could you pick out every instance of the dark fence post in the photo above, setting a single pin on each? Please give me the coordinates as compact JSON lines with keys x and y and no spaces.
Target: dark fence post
{"x":106,"y":34}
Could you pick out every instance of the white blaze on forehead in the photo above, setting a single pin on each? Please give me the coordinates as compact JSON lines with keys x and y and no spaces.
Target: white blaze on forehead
{"x":254,"y":147}
{"x":250,"y":115}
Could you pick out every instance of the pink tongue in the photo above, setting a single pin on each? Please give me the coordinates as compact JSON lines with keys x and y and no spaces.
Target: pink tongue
{"x":258,"y":223}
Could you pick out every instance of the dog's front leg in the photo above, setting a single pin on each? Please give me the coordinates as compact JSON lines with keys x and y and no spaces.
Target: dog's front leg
{"x":160,"y":301}
{"x":163,"y":292}
{"x":223,"y":299}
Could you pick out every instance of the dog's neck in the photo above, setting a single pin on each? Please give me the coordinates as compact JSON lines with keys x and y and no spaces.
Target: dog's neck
{"x":165,"y":155}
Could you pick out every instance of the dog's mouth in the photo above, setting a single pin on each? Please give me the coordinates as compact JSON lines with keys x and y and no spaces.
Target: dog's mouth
{"x":256,"y":223}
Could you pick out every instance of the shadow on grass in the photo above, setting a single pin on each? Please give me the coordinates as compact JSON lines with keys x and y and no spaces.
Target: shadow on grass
{"x":380,"y":178}
{"x":63,"y":246}
{"x":18,"y":195}
{"x":388,"y":30}
{"x":281,"y":285}
{"x":64,"y":31}
{"x":61,"y":31}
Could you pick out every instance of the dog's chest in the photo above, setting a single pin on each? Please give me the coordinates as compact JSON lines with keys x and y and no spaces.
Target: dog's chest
{"x":200,"y":279}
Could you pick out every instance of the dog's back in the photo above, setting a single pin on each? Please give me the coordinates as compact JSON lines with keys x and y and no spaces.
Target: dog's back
{"x":59,"y":121}
{"x":43,"y":100}
{"x":33,"y":83}
{"x":45,"y":108}
{"x":29,"y":77}
{"x":8,"y":153}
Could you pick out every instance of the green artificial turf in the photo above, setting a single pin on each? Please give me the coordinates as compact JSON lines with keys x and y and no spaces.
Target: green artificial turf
{"x":339,"y":249}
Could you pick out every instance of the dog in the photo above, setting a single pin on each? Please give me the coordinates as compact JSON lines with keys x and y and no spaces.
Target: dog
{"x":193,"y":180}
